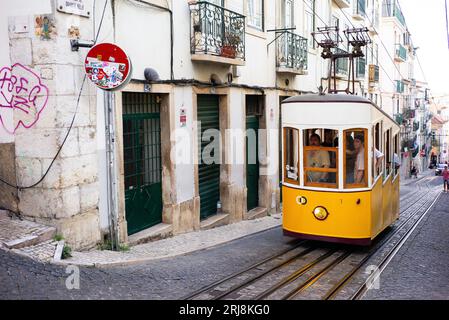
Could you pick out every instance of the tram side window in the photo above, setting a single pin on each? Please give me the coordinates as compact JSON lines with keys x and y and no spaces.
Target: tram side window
{"x":377,"y":154}
{"x":321,"y":157}
{"x":387,"y":153}
{"x":396,"y":159}
{"x":291,"y":155}
{"x":356,"y":164}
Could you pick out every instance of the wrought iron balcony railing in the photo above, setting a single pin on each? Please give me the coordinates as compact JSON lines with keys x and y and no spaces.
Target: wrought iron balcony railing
{"x":400,"y":52}
{"x":409,"y":114}
{"x":360,"y":67}
{"x":390,"y":8}
{"x":291,"y":52}
{"x":216,"y":31}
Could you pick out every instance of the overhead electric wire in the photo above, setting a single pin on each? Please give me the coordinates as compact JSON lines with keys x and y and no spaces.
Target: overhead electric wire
{"x":447,"y":25}
{"x":325,"y":24}
{"x":68,"y":130}
{"x":380,"y":65}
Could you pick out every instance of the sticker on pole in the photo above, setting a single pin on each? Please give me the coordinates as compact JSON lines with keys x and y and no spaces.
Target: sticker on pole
{"x":108,"y":66}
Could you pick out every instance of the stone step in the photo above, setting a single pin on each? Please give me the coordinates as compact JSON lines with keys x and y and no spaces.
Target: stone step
{"x":16,"y":233}
{"x":157,"y":232}
{"x":216,"y":220}
{"x":255,"y":213}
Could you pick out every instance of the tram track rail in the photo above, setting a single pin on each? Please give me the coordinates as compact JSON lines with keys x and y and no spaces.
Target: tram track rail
{"x":387,"y":259}
{"x":232,"y":288}
{"x":345,"y":280}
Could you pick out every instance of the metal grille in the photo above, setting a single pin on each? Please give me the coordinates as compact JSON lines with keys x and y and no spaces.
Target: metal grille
{"x":291,"y":51}
{"x":142,"y":160}
{"x":217,"y":31}
{"x":142,"y":136}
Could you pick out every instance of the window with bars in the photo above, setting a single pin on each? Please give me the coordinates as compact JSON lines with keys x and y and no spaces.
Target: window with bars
{"x":141,"y":140}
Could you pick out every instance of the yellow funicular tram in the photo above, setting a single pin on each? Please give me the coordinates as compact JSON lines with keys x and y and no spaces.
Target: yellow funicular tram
{"x":340,"y":168}
{"x":340,"y":159}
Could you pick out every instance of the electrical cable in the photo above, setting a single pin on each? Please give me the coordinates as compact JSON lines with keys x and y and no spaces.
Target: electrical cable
{"x":19,"y":188}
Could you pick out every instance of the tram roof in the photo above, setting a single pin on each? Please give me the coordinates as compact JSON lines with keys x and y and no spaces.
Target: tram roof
{"x":317,"y":98}
{"x":327,"y":98}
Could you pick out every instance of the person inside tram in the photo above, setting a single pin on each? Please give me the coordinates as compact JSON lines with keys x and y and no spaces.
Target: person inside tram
{"x":331,"y":142}
{"x":359,"y":167}
{"x":350,"y":159}
{"x":328,"y":138}
{"x":317,"y":159}
{"x":378,"y":157}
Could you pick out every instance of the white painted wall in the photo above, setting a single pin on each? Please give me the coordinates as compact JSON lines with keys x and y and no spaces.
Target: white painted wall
{"x":183,"y":153}
{"x":144,"y":33}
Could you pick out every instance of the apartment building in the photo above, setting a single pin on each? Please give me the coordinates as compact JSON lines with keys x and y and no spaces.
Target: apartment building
{"x":195,"y":133}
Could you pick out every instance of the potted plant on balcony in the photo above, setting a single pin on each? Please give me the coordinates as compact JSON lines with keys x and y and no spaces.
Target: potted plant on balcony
{"x":230,"y":44}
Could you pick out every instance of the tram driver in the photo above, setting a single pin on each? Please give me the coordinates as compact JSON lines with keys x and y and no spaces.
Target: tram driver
{"x":317,"y":159}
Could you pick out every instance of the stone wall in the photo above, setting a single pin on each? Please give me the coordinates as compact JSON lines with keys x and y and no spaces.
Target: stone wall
{"x":68,"y":196}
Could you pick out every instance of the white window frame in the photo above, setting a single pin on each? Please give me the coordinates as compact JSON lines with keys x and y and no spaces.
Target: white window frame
{"x":255,"y":19}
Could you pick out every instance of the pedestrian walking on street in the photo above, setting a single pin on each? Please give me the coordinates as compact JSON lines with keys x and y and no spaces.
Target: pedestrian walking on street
{"x":414,"y":172}
{"x":445,"y":175}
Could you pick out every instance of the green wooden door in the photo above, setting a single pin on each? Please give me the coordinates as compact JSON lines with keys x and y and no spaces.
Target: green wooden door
{"x":142,"y":160}
{"x":252,"y":162}
{"x":208,"y":169}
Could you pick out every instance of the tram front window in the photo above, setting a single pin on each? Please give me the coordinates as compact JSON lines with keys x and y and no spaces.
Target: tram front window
{"x":356,"y":164}
{"x":321,"y":156}
{"x":291,"y":155}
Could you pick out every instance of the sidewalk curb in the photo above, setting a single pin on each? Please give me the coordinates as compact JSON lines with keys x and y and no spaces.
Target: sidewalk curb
{"x":153,"y":258}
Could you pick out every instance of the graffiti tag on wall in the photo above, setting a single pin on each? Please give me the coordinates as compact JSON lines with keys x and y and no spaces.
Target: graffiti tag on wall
{"x":22,"y":95}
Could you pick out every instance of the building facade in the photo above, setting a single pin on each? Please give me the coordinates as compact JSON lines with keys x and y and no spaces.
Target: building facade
{"x":192,"y":142}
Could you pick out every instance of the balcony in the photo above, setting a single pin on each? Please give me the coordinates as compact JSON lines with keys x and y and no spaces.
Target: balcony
{"x":359,"y":11}
{"x":399,"y":118}
{"x":216,"y":34}
{"x":291,"y":54}
{"x":399,"y":86}
{"x":408,"y":114}
{"x":360,"y":64}
{"x":400,"y":53}
{"x":373,"y":75}
{"x":343,"y":3}
{"x":390,"y":8}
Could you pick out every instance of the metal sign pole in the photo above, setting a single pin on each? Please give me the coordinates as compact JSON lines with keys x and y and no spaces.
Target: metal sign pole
{"x":109,"y":103}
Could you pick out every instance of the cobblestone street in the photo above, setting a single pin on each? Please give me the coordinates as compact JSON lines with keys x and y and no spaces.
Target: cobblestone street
{"x":418,"y":271}
{"x":171,"y":278}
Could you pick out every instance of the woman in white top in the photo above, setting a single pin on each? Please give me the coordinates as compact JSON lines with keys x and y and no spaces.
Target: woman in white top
{"x":359,"y":167}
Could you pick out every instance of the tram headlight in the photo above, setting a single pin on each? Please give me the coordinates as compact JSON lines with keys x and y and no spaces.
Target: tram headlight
{"x":320,"y":213}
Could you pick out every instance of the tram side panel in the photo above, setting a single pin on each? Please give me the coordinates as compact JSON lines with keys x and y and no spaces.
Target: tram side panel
{"x":395,"y":206}
{"x":387,"y":199}
{"x":376,"y":209}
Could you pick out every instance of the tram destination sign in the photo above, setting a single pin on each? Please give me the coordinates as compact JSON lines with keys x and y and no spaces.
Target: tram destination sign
{"x":108,"y":66}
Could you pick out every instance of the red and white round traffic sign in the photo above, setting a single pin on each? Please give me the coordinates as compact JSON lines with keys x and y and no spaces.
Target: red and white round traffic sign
{"x":108,"y":66}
